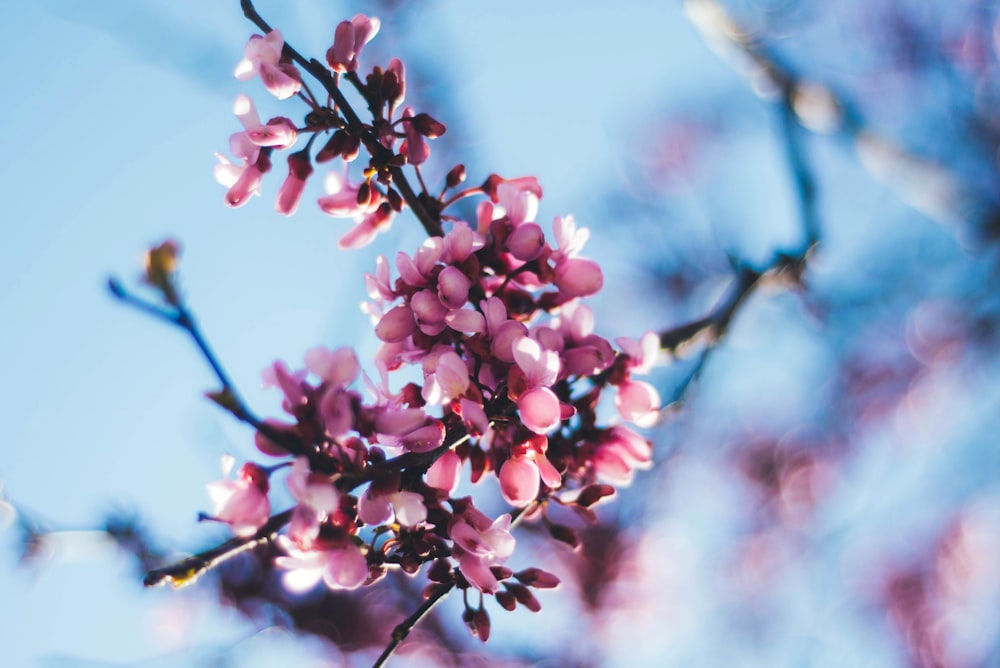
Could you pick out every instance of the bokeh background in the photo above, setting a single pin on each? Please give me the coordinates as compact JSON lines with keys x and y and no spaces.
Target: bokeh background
{"x":825,"y":491}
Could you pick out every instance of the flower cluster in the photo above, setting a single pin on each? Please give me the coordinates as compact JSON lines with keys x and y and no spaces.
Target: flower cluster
{"x":396,"y":136}
{"x":506,"y":373}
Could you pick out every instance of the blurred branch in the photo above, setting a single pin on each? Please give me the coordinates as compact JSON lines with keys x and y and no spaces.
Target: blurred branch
{"x":188,"y":570}
{"x":921,"y":183}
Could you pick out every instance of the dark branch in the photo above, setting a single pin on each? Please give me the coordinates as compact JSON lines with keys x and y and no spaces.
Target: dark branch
{"x":403,"y":629}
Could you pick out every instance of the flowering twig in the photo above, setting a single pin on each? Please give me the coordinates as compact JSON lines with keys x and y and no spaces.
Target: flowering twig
{"x":178,"y":315}
{"x":430,"y":221}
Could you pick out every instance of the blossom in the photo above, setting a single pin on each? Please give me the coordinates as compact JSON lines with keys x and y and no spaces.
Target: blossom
{"x":620,"y":451}
{"x":642,"y":353}
{"x":341,"y":566}
{"x":479,"y":544}
{"x":348,"y":40}
{"x":290,"y":193}
{"x":407,"y":507}
{"x":638,"y":402}
{"x":415,"y":148}
{"x":341,"y":200}
{"x":445,"y":472}
{"x":527,"y":467}
{"x":241,"y":503}
{"x":279,"y":132}
{"x":574,"y":276}
{"x":262,"y":55}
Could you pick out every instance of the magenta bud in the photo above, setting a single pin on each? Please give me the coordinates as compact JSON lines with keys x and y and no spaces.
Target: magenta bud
{"x":428,"y":126}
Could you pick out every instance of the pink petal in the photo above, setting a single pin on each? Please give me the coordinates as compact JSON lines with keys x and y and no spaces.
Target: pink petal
{"x":519,"y":481}
{"x":579,"y":277}
{"x":374,"y":510}
{"x":474,"y":416}
{"x":453,"y":287}
{"x":550,"y":476}
{"x":466,"y":320}
{"x":452,"y":374}
{"x":458,"y":243}
{"x":409,"y":508}
{"x":425,"y":439}
{"x":526,"y":242}
{"x":445,"y":472}
{"x":346,"y":568}
{"x":396,"y":325}
{"x":400,"y":421}
{"x":505,"y":337}
{"x":478,"y":574}
{"x":539,"y":409}
{"x":428,"y":309}
{"x":408,"y":271}
{"x":638,"y":402}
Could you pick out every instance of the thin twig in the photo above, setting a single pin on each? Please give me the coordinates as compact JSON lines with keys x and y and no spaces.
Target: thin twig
{"x":229,"y":397}
{"x":188,"y":570}
{"x":403,"y":628}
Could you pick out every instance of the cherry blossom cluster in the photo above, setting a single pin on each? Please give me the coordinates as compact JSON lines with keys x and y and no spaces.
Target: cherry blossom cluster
{"x":371,"y":206}
{"x":501,"y":375}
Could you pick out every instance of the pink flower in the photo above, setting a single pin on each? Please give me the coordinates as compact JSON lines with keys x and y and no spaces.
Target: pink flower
{"x":312,"y":490}
{"x":579,"y":277}
{"x":372,"y":215}
{"x":290,"y":193}
{"x":540,"y":410}
{"x":519,"y":203}
{"x":520,"y":475}
{"x":445,"y":472}
{"x":367,"y":228}
{"x":348,"y":39}
{"x":638,"y":402}
{"x":460,"y":242}
{"x":415,"y":148}
{"x":241,"y":503}
{"x":502,"y":331}
{"x":396,"y":325}
{"x":243,"y":181}
{"x":341,"y":567}
{"x":262,"y":55}
{"x":341,"y":200}
{"x":279,"y":132}
{"x":575,"y":277}
{"x":375,"y":509}
{"x":397,"y":68}
{"x":619,"y":453}
{"x":521,"y":183}
{"x":445,"y":376}
{"x":480,"y":544}
{"x":642,"y":353}
{"x":540,"y":366}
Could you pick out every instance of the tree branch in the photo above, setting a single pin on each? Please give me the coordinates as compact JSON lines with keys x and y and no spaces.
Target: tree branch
{"x":228,"y":397}
{"x":403,"y":629}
